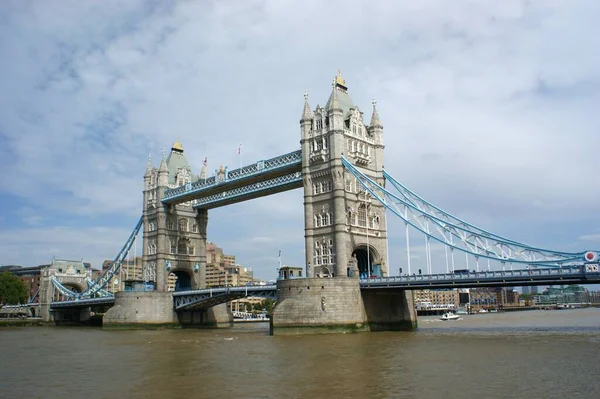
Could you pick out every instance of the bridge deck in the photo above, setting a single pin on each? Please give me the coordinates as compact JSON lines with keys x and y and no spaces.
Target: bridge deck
{"x":504,"y":278}
{"x":207,"y":297}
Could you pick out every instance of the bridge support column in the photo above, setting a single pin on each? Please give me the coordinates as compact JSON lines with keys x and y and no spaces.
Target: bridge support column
{"x":148,"y":309}
{"x":318,"y":305}
{"x":72,"y":317}
{"x":389,"y":310}
{"x":333,"y":305}
{"x":218,"y":316}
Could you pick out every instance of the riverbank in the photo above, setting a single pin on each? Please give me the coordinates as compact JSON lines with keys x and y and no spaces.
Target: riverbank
{"x":23,"y":323}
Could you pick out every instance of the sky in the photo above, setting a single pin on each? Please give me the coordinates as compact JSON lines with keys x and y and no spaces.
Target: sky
{"x":490,"y":111}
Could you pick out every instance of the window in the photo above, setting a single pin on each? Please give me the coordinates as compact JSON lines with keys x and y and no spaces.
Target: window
{"x":194,"y":228}
{"x":183,"y":225}
{"x":170,"y":224}
{"x":319,"y":124}
{"x":152,"y":248}
{"x":362,"y":215}
{"x":182,"y":247}
{"x":173,"y":248}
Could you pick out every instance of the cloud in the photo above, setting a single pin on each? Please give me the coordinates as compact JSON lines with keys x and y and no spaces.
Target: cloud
{"x":490,"y":112}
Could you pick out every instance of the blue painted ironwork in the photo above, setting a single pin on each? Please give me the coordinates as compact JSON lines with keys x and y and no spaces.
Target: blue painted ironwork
{"x":100,"y":292}
{"x":581,"y":274}
{"x":271,"y":167}
{"x":97,"y":286}
{"x":250,"y":191}
{"x":455,"y":233}
{"x":208,"y":297}
{"x":83,"y":303}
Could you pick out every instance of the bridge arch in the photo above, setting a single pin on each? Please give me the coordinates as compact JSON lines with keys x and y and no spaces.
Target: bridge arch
{"x":182,"y":280}
{"x":366,"y":260}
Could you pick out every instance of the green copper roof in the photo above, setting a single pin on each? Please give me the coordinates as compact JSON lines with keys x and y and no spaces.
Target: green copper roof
{"x":344,"y":100}
{"x":175,"y":161}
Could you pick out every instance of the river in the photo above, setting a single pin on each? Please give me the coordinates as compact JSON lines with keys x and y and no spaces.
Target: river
{"x":530,"y":354}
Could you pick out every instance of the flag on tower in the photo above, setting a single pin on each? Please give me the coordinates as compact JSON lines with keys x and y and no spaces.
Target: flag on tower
{"x":205,"y":161}
{"x":239,"y":151}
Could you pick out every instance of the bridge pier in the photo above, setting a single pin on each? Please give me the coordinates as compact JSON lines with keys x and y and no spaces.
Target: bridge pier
{"x":141,"y":310}
{"x":154,"y":309}
{"x":72,"y":317}
{"x":332,"y":305}
{"x":389,"y":310}
{"x":218,"y":316}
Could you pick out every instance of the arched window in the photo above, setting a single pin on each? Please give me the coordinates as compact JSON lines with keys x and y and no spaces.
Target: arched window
{"x":173,"y":248}
{"x":194,"y":227}
{"x":319,"y":220}
{"x":183,"y":225}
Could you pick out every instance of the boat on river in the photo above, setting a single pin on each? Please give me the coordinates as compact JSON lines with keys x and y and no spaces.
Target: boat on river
{"x":449,"y":316}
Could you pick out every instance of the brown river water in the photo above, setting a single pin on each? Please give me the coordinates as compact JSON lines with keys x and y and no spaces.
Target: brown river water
{"x":532,"y":354}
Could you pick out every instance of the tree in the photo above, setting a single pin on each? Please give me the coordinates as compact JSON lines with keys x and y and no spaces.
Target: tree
{"x":269,"y":305}
{"x":12,"y":289}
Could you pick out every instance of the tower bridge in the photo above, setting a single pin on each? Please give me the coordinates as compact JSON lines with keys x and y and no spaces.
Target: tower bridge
{"x":347,"y":198}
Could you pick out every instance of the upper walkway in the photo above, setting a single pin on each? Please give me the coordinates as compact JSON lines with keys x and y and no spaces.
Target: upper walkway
{"x":261,"y":178}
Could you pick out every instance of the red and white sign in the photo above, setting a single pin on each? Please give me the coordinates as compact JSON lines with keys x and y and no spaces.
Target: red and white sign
{"x":590,"y":256}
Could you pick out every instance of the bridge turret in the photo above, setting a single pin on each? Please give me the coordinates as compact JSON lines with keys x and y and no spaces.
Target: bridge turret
{"x":163,"y":174}
{"x":342,"y":223}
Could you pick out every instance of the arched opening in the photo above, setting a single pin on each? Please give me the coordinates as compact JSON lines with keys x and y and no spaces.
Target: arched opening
{"x":365,"y":260}
{"x":180,"y":281}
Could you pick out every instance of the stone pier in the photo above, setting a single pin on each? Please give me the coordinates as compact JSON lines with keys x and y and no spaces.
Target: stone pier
{"x":331,"y":305}
{"x":133,"y":310}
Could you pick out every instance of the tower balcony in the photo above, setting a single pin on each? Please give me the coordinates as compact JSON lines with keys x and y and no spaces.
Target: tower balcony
{"x":319,"y":155}
{"x":360,"y":158}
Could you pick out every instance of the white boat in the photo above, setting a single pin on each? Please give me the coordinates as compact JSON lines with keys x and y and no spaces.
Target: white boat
{"x":449,"y":316}
{"x":462,"y":311}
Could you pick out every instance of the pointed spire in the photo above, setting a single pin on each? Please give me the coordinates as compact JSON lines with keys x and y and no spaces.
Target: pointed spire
{"x":306,"y":112}
{"x":375,"y":121}
{"x":149,"y":167}
{"x":339,"y":81}
{"x":334,"y":103}
{"x":203,"y":171}
{"x":177,"y":146}
{"x":163,"y":162}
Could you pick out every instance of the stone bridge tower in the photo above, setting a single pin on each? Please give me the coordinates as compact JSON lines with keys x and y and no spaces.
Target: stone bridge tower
{"x":345,"y":229}
{"x":174,"y":236}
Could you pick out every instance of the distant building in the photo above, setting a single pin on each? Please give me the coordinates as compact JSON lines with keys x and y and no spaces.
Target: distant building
{"x":438,"y":298}
{"x":31,"y":275}
{"x":573,"y":294}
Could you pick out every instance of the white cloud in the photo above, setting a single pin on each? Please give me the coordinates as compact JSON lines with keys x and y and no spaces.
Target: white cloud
{"x":490,"y":111}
